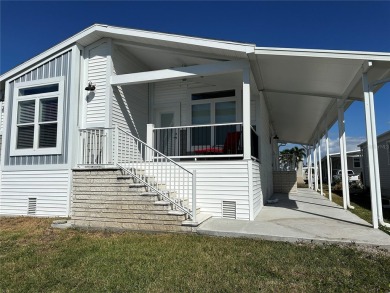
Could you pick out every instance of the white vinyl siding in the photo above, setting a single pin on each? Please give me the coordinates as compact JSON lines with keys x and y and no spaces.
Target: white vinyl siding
{"x":130,"y":102}
{"x":221,"y":181}
{"x":50,"y":188}
{"x":266,"y":158}
{"x":257,"y":192}
{"x":172,"y":93}
{"x":97,"y":74}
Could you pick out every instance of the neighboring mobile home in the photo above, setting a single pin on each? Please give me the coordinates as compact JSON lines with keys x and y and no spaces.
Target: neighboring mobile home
{"x":353,"y":162}
{"x":195,"y":122}
{"x":384,"y":163}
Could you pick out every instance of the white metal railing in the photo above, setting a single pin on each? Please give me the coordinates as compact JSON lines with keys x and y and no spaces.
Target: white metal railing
{"x":95,"y":147}
{"x":199,"y":141}
{"x":158,"y":172}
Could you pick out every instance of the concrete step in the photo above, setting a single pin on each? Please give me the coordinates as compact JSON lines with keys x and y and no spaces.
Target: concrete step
{"x":200,"y":218}
{"x":162,"y":203}
{"x":136,"y":218}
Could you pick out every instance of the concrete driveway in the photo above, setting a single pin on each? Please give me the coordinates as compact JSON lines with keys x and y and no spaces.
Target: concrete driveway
{"x":306,"y":216}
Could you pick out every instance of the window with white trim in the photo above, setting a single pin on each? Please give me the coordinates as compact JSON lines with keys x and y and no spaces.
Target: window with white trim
{"x":356,"y":162}
{"x":37,"y":117}
{"x":217,"y":107}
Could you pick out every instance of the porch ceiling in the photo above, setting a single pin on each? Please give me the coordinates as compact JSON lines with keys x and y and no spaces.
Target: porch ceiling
{"x":301,"y":88}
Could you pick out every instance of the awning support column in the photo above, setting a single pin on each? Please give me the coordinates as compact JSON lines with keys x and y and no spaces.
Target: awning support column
{"x":373,"y":167}
{"x":320,"y":166}
{"x":246,"y":117}
{"x":328,"y":166}
{"x":344,"y":175}
{"x":309,"y":174}
{"x":315,"y":168}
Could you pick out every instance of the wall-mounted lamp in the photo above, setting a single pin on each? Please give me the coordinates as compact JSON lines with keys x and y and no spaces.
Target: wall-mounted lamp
{"x":91,"y":87}
{"x":276,"y":136}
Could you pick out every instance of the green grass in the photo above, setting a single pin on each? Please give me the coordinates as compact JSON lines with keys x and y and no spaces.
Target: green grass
{"x":361,"y":201}
{"x":37,"y":258}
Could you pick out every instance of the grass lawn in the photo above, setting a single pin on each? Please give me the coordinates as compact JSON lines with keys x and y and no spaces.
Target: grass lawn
{"x":37,"y":258}
{"x":361,"y":201}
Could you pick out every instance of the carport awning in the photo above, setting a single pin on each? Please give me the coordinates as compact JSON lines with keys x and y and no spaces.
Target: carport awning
{"x":301,"y":87}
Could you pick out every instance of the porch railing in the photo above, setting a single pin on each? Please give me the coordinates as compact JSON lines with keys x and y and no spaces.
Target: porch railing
{"x":200,"y":141}
{"x":95,"y":146}
{"x":158,"y":172}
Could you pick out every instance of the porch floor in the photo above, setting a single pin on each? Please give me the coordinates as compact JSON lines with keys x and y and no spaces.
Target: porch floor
{"x":306,"y":216}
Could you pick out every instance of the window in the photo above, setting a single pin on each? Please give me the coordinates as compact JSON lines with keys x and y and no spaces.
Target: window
{"x":37,"y":119}
{"x":213,"y":108}
{"x":356,"y":162}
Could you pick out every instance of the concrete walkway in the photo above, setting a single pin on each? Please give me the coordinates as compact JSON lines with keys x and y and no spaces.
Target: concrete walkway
{"x":306,"y":216}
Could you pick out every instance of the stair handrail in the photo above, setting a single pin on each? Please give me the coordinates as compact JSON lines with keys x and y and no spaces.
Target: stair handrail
{"x":138,"y":154}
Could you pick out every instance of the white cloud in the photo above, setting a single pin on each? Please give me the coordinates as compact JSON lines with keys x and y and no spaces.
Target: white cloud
{"x":334,"y":145}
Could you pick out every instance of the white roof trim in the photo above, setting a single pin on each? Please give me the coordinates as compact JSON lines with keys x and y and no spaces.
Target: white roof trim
{"x":215,"y":44}
{"x":353,"y":55}
{"x":349,"y":152}
{"x":226,"y":45}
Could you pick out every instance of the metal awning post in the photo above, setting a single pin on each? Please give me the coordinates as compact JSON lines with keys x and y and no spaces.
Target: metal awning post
{"x":344,"y":175}
{"x":315,"y":168}
{"x":328,"y":167}
{"x":320,"y":166}
{"x":309,"y":179}
{"x":246,"y":108}
{"x":373,"y":168}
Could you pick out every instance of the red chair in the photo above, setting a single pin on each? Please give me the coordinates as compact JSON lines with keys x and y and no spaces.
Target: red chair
{"x":229,"y":147}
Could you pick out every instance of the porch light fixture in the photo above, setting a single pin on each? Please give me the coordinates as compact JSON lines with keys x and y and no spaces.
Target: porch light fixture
{"x":91,"y":87}
{"x":276,"y":136}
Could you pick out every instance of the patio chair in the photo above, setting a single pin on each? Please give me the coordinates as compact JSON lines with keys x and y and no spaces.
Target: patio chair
{"x":230,"y":146}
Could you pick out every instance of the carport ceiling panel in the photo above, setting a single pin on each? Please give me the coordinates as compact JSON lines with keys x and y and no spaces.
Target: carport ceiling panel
{"x":308,"y":75}
{"x":296,"y":117}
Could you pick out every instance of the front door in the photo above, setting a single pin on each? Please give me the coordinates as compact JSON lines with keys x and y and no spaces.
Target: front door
{"x":167,"y":138}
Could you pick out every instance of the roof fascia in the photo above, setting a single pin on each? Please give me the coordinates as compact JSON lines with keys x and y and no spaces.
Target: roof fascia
{"x":217,"y":44}
{"x":352,"y":55}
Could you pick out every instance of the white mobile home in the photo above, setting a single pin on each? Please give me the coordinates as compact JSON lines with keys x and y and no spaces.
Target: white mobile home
{"x":194,"y":121}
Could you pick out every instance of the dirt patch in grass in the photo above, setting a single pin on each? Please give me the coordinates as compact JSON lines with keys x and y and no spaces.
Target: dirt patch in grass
{"x":36,"y":258}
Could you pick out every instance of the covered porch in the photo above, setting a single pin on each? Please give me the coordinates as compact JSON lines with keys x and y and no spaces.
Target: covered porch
{"x":177,"y":104}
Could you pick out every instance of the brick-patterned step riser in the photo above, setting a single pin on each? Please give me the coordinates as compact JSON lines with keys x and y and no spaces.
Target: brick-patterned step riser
{"x":132,"y":226}
{"x":111,"y":199}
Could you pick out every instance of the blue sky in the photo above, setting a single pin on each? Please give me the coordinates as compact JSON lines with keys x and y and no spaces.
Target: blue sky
{"x":28,"y":28}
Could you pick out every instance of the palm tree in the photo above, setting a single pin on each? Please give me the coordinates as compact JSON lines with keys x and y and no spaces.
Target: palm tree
{"x":300,"y":153}
{"x":287,"y":156}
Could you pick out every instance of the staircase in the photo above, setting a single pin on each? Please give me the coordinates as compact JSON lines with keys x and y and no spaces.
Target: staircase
{"x":113,"y":199}
{"x":143,"y":190}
